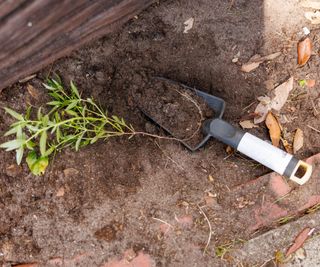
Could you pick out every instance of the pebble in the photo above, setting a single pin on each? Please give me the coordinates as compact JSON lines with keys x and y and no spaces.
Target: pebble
{"x":69,"y":172}
{"x":13,"y":170}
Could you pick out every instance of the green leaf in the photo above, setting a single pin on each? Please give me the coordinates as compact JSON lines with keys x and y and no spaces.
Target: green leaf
{"x":48,"y":86}
{"x":19,"y":132}
{"x":302,"y":83}
{"x":43,"y":142}
{"x":58,"y":79}
{"x":72,"y":113}
{"x":32,"y":128}
{"x":97,"y":137}
{"x":11,"y":131}
{"x":13,"y":144}
{"x":79,"y":141}
{"x":58,"y":134}
{"x":54,"y":103}
{"x":14,"y":114}
{"x":30,"y":145}
{"x":45,"y":120}
{"x":94,"y":139}
{"x":57,"y":83}
{"x":53,"y":129}
{"x":83,"y":111}
{"x":39,"y":114}
{"x":56,"y":96}
{"x":39,"y":167}
{"x":57,"y":116}
{"x":35,"y":164}
{"x":72,"y":105}
{"x":49,"y":151}
{"x":28,"y":113}
{"x":74,"y":89}
{"x":19,"y":155}
{"x":31,"y":158}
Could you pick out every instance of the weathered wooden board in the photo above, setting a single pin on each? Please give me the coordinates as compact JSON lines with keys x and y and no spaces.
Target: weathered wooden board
{"x":34,"y":33}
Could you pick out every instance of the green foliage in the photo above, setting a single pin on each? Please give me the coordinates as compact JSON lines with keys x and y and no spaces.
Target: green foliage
{"x":302,"y":83}
{"x":70,"y":121}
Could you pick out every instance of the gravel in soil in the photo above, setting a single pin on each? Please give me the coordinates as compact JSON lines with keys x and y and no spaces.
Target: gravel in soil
{"x":121,"y":189}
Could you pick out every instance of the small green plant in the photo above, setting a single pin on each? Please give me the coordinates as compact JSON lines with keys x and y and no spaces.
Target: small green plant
{"x":222,"y":250}
{"x":70,"y":121}
{"x":285,"y":219}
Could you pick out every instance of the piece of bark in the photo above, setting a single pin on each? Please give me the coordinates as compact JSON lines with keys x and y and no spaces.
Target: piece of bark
{"x":35,"y":33}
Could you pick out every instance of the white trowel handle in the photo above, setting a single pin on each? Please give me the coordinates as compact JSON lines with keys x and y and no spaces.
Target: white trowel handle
{"x":261,"y":151}
{"x":275,"y":158}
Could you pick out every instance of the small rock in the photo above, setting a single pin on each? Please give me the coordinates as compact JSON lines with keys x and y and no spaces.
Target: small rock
{"x":69,"y":172}
{"x":60,"y":192}
{"x":99,"y":76}
{"x":129,"y":255}
{"x":13,"y":170}
{"x":209,"y":201}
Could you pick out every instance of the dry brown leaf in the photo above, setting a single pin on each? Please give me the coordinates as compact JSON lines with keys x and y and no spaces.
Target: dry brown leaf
{"x":311,"y":83}
{"x":274,"y":129}
{"x":297,"y":140}
{"x":188,"y":24}
{"x":33,"y":91}
{"x":28,"y":78}
{"x":281,"y":94}
{"x":299,"y":240}
{"x":310,"y":4}
{"x":314,"y":17}
{"x":287,"y":146}
{"x":250,"y":66}
{"x":261,"y":112}
{"x":247,"y":124}
{"x":229,"y":150}
{"x":256,"y":60}
{"x":304,"y":51}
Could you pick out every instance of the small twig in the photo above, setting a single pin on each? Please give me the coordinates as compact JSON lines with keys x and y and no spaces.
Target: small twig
{"x":318,"y":131}
{"x":210,"y":229}
{"x":264,"y":264}
{"x":159,"y":220}
{"x":171,"y":159}
{"x":188,"y":97}
{"x":247,"y":107}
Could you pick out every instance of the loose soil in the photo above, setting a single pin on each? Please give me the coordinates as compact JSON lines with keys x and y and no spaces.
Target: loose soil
{"x":122,"y":194}
{"x":175,"y":108}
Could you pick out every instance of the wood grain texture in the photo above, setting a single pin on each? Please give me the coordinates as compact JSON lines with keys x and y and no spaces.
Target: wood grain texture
{"x":34,"y":33}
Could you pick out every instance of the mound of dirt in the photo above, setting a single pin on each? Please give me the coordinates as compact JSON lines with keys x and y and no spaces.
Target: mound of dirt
{"x":174,"y":107}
